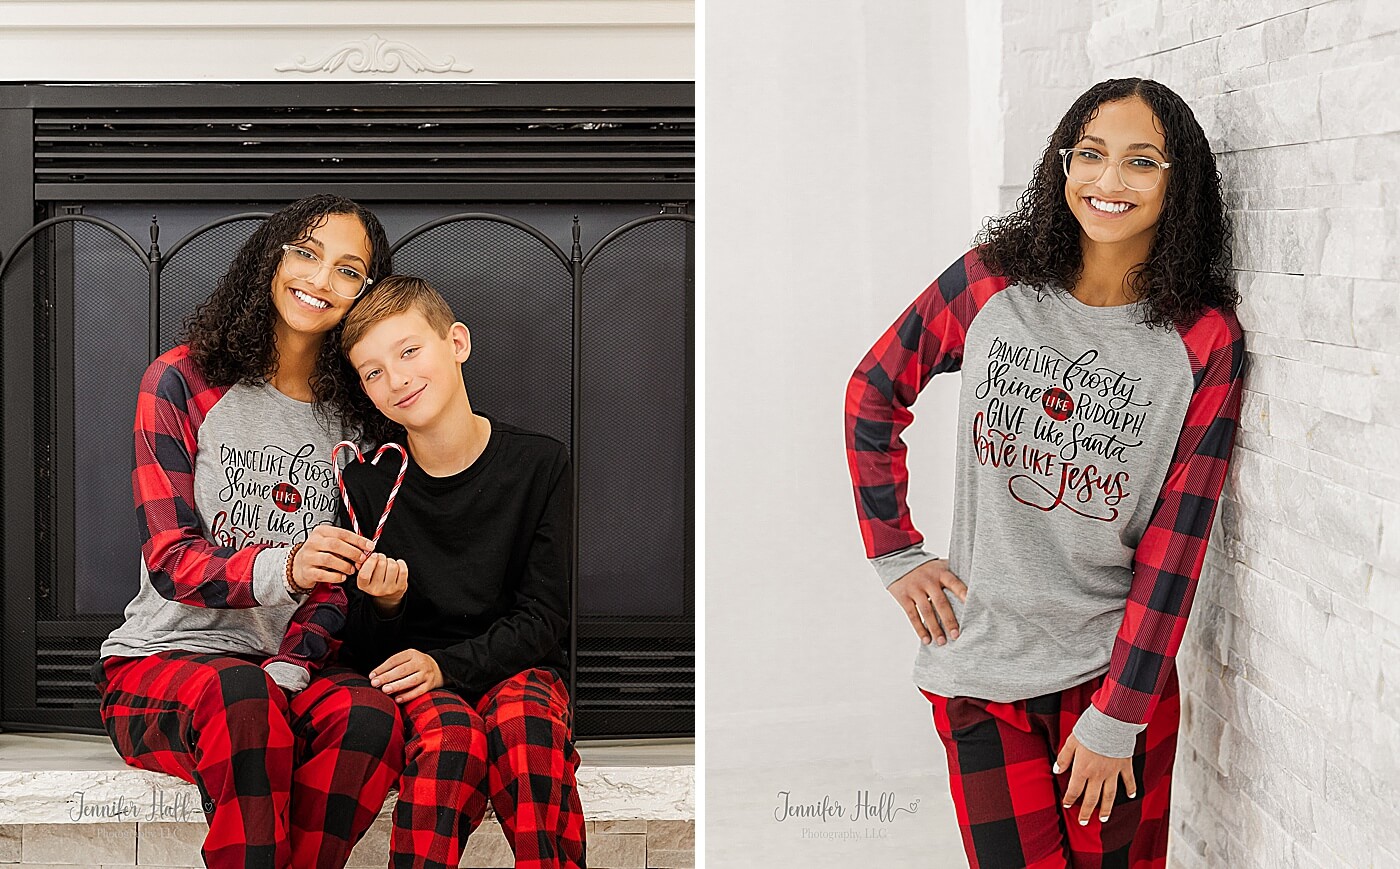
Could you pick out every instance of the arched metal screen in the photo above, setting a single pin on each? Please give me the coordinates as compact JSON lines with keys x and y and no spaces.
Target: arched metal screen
{"x":634,"y":314}
{"x":63,"y":450}
{"x":72,"y":546}
{"x":635,"y":475}
{"x":190,"y":269}
{"x":108,"y":307}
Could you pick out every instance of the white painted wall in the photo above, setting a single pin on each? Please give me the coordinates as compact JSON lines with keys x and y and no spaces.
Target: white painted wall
{"x":346,"y":40}
{"x":837,"y":186}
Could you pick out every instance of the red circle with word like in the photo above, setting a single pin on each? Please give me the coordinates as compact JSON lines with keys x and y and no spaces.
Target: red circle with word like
{"x":1057,"y":403}
{"x":286,"y":497}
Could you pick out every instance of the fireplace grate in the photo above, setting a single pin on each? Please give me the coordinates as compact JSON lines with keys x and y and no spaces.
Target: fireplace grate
{"x":338,"y":145}
{"x":63,"y":673}
{"x":623,"y":689}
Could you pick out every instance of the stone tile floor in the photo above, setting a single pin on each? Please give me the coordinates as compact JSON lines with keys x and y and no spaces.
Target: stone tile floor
{"x":55,"y":789}
{"x":175,"y":845}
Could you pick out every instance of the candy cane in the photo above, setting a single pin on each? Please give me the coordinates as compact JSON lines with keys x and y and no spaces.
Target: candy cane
{"x":345,"y":495}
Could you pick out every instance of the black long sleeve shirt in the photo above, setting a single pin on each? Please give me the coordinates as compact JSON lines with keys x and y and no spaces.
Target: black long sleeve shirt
{"x":488,"y":561}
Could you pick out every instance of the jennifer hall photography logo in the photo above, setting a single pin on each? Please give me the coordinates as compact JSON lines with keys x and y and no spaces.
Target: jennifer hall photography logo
{"x":865,"y":817}
{"x":178,"y":806}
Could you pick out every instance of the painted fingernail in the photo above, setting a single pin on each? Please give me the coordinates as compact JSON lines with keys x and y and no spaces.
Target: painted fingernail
{"x":1132,"y":796}
{"x":1103,"y":819}
{"x":1083,"y":822}
{"x":1056,"y":770}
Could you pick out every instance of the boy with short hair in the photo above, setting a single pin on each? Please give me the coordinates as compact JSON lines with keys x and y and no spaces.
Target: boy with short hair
{"x":472,"y":647}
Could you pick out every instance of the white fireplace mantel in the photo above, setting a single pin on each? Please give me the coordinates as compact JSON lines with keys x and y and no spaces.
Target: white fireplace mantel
{"x":346,"y":40}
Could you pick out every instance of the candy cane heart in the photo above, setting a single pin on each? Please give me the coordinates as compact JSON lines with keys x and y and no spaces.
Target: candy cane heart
{"x":345,"y":495}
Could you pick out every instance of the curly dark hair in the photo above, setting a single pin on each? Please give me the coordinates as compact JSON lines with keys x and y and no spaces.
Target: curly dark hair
{"x":230,"y":335}
{"x":1188,"y":266}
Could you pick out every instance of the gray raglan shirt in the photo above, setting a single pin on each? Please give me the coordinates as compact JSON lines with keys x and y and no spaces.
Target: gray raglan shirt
{"x":1090,"y":454}
{"x":226,"y":480}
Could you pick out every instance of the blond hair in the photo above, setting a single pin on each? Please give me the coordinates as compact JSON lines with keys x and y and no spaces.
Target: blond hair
{"x":391,"y":296}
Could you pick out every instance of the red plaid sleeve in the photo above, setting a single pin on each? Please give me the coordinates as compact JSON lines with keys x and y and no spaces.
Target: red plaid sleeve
{"x":311,"y":639}
{"x":183,"y":565}
{"x":1169,"y":556}
{"x":927,"y":339}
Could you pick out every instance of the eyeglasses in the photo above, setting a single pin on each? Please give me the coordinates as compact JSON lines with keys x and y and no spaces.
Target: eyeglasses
{"x":306,"y":264}
{"x":1137,"y":173}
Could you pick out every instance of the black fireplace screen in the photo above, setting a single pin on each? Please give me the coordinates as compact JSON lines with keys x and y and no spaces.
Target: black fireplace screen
{"x":587,"y":337}
{"x":588,"y":343}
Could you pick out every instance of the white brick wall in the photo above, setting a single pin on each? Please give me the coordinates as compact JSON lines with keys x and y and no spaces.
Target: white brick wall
{"x":1290,"y":743}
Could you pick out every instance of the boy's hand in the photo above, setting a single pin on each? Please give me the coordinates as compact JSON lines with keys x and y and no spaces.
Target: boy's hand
{"x":407,"y":675}
{"x":329,"y":554}
{"x":385,"y":579}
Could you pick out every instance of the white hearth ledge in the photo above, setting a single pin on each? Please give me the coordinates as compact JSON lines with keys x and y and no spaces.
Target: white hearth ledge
{"x":67,"y":779}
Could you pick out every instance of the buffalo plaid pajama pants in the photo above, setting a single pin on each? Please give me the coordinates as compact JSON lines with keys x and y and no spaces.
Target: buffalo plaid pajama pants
{"x":284,"y":782}
{"x":514,"y":746}
{"x":1008,"y":800}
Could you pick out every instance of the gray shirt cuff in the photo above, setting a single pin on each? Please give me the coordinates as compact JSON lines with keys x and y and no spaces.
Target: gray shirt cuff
{"x":1107,"y":736}
{"x":270,"y":576}
{"x":288,"y":675}
{"x":893,"y":565}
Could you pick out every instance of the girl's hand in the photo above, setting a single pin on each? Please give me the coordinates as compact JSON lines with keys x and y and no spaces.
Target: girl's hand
{"x":1094,"y":777}
{"x":406,"y":675}
{"x":923,"y":591}
{"x":329,"y":554}
{"x":385,"y":579}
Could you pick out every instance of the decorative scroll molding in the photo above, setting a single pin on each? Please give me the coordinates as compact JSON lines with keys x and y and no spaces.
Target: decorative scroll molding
{"x":374,"y":55}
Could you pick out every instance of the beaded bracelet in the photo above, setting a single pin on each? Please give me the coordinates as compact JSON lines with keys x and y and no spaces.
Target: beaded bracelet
{"x":292,"y":587}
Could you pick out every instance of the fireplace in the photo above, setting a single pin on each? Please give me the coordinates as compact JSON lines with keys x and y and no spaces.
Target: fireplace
{"x":556,"y":218}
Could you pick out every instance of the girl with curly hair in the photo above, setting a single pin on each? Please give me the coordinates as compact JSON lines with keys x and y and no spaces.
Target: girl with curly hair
{"x":221,"y":673}
{"x":1104,"y":366}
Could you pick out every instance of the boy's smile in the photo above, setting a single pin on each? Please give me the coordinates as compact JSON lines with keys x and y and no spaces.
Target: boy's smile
{"x":412,"y":397}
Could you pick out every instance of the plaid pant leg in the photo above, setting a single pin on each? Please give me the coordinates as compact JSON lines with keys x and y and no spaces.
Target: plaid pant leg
{"x":217,"y":721}
{"x":533,"y":762}
{"x":442,"y":792}
{"x":1135,"y":836}
{"x":349,"y":751}
{"x":1003,"y":791}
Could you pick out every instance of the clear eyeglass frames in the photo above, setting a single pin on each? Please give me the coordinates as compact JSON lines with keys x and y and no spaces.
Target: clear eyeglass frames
{"x":1083,"y":166}
{"x":305,"y":264}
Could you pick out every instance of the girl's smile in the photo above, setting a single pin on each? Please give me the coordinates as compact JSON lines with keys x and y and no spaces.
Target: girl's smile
{"x":1107,"y":208}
